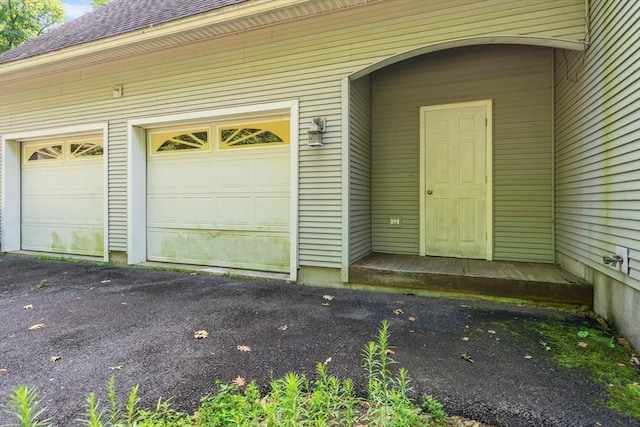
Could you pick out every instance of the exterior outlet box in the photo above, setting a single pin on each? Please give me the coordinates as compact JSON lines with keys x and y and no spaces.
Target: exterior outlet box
{"x":624,"y":254}
{"x":117,"y":91}
{"x":395,"y":221}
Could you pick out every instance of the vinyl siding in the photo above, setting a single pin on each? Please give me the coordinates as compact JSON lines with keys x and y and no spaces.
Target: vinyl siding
{"x":598,"y":142}
{"x":518,"y":79}
{"x":360,"y":168}
{"x":303,"y":59}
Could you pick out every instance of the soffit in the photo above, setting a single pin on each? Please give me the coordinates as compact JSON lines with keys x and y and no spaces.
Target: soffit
{"x":229,"y":20}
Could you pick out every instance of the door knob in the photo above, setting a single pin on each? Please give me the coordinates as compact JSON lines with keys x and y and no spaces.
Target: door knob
{"x":429,"y":191}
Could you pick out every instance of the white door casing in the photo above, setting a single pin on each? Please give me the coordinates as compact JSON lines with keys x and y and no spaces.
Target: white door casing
{"x":455,"y":184}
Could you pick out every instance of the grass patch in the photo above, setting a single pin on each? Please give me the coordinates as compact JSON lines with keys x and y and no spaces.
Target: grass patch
{"x":72,"y":260}
{"x":584,"y":346}
{"x":293,"y":401}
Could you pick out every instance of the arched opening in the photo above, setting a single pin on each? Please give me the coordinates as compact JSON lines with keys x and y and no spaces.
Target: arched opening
{"x":395,"y":161}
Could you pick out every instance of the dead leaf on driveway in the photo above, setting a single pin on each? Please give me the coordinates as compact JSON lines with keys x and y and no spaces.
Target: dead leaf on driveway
{"x":105,"y":281}
{"x":3,"y":370}
{"x":466,"y":356}
{"x":491,"y":332}
{"x":582,"y":344}
{"x":412,"y":319}
{"x":327,"y":361}
{"x":113,"y":368}
{"x":325,"y":304}
{"x":328,"y":297}
{"x":528,"y":357}
{"x":465,"y":338}
{"x":635,"y":361}
{"x":36,"y":326}
{"x":200,"y":334}
{"x":398,"y":311}
{"x":55,"y":358}
{"x":283,"y":328}
{"x":239,"y":381}
{"x":389,"y":351}
{"x":243,"y":348}
{"x":28,"y":307}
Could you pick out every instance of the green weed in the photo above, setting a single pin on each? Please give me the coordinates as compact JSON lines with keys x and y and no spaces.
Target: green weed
{"x":293,"y":401}
{"x":24,"y":408}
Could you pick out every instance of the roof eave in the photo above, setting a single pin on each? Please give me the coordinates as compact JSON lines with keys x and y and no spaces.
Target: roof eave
{"x":234,"y":18}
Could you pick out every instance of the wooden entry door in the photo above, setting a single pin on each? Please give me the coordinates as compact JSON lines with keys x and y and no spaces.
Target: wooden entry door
{"x":456,"y":206}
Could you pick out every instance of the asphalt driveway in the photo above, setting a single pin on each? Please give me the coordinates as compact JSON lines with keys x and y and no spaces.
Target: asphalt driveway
{"x":138,"y":325}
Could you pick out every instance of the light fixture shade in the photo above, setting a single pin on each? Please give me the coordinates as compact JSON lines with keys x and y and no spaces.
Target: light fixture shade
{"x":315,"y":132}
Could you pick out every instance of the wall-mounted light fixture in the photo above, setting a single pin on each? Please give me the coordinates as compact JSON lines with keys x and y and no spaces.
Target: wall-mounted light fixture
{"x":315,"y":132}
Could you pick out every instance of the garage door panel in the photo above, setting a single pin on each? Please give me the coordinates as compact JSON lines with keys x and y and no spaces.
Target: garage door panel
{"x":273,"y":250}
{"x":272,"y":173}
{"x":197,"y":246}
{"x":163,"y":245}
{"x":62,"y":202}
{"x":85,"y":209}
{"x":196,"y":176}
{"x":162,"y":177}
{"x":234,"y":174}
{"x":84,"y":180}
{"x":33,"y":182}
{"x":44,"y":209}
{"x":238,"y":211}
{"x":196,"y":212}
{"x":64,"y":238}
{"x":272,"y":212}
{"x":160,"y":211}
{"x":221,"y":207}
{"x":54,"y":181}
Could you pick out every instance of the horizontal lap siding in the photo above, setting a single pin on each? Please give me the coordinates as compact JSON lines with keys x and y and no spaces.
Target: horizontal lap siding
{"x":518,"y":79}
{"x":598,"y":141}
{"x":360,"y":169}
{"x":304,"y":59}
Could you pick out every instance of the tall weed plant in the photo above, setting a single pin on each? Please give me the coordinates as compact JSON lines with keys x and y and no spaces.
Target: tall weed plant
{"x":293,"y":401}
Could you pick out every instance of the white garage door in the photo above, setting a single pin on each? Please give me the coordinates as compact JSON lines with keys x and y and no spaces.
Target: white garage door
{"x":220,"y":199}
{"x":63,"y":196}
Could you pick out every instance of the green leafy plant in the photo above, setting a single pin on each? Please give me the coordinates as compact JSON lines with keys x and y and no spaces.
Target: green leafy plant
{"x":230,"y":407}
{"x":43,"y":284}
{"x":293,"y":401}
{"x":163,"y":415}
{"x":435,"y":408}
{"x":389,"y":403}
{"x":94,"y":412}
{"x":24,"y":407}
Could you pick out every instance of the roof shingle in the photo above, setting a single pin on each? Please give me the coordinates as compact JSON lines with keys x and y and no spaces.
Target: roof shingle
{"x":118,"y":17}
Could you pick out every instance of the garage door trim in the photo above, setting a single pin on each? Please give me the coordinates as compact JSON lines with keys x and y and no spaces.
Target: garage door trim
{"x":11,"y":144}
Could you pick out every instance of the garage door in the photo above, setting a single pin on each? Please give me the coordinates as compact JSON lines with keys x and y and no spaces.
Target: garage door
{"x":63,"y":196}
{"x":219,"y":196}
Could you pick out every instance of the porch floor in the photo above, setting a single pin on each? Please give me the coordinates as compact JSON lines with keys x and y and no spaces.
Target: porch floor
{"x":504,"y":279}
